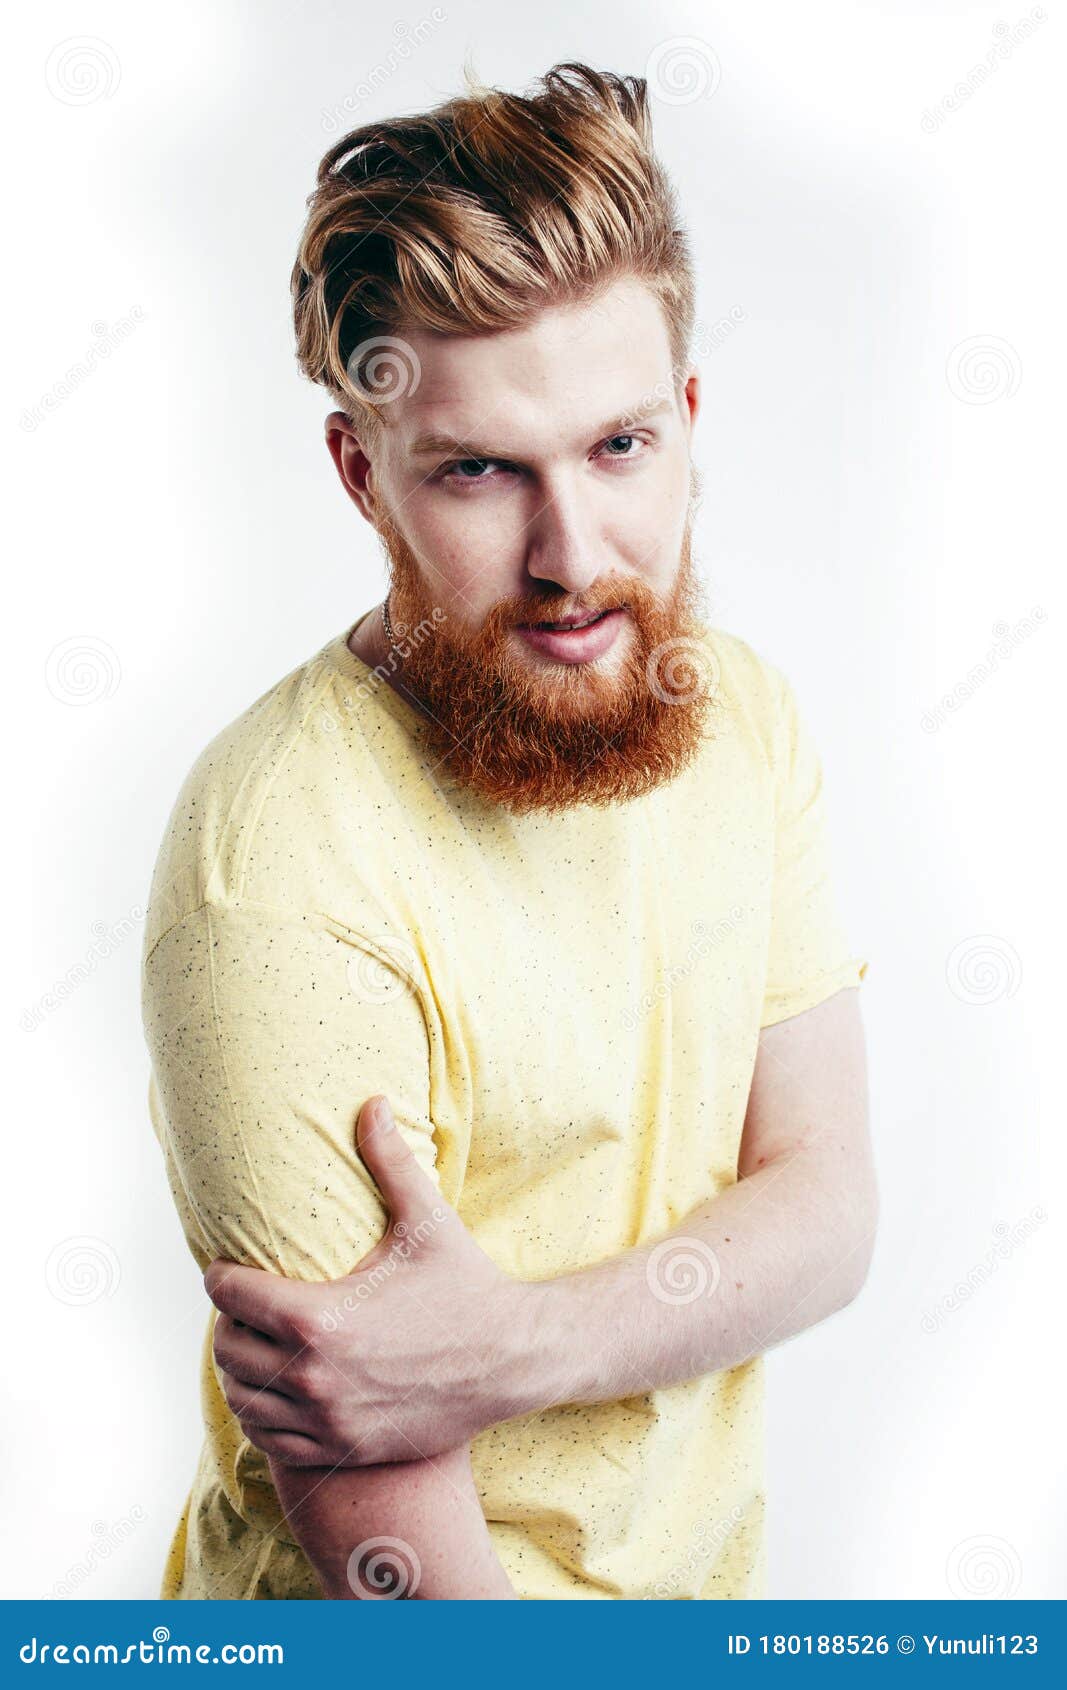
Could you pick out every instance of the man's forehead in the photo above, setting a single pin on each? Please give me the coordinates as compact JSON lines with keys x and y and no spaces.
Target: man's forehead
{"x":569,"y":370}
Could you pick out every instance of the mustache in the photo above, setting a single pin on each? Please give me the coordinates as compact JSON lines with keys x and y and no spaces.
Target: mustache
{"x":523,"y":610}
{"x":579,"y":614}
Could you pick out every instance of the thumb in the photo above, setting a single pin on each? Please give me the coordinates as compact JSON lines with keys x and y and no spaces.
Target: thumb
{"x":403,"y":1184}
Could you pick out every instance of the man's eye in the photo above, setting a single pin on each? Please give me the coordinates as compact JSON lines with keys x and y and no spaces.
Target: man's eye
{"x":462,"y":469}
{"x":625,"y":441}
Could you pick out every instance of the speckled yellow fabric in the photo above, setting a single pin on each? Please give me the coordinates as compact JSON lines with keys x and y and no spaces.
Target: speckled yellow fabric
{"x":564,"y":1011}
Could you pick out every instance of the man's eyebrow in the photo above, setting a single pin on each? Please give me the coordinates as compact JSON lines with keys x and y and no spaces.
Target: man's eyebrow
{"x":435,"y":444}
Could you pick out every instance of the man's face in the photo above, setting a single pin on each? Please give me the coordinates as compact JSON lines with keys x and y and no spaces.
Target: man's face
{"x":538,"y":475}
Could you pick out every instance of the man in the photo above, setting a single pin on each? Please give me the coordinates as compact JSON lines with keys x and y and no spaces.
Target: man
{"x":507,"y":1059}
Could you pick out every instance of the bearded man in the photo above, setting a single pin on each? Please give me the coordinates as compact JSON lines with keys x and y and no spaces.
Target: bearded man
{"x":506,"y":1052}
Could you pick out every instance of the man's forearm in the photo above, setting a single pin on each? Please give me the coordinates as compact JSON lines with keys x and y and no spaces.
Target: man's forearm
{"x":772,"y":1255}
{"x":448,"y":1343}
{"x":412,"y":1531}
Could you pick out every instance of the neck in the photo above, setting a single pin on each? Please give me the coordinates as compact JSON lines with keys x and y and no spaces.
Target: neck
{"x":368,"y":642}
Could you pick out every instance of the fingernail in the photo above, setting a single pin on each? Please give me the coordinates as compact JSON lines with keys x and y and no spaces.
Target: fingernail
{"x":385,"y":1114}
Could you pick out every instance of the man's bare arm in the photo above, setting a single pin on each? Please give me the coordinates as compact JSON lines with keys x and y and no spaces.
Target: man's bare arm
{"x":412,"y":1531}
{"x":446,"y":1345}
{"x":784,"y":1248}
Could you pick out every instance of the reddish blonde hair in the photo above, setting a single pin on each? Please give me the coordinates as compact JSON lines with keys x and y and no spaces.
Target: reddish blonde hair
{"x":477,"y":214}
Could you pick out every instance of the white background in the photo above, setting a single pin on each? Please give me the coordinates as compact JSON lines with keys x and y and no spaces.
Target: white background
{"x":878,"y":499}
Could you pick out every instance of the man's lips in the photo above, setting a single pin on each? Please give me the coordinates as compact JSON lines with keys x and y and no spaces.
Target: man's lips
{"x":575,"y":639}
{"x":564,"y":624}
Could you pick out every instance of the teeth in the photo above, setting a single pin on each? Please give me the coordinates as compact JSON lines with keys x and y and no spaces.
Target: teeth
{"x":569,"y":627}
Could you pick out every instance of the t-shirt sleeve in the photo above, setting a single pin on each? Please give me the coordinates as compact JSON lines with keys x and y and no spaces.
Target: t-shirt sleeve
{"x":267,"y":1032}
{"x":809,"y":957}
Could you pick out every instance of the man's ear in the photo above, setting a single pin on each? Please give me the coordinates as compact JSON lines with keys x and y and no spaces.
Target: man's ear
{"x":347,"y":449}
{"x":691,"y":397}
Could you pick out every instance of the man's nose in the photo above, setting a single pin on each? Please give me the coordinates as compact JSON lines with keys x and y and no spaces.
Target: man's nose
{"x":560,"y":543}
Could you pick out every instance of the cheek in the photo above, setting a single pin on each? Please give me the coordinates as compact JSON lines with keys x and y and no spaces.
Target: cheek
{"x":650,"y":548}
{"x":648,"y":535}
{"x":464,"y":560}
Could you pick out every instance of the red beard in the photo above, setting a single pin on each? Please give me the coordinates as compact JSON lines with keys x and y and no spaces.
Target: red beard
{"x":532,"y":736}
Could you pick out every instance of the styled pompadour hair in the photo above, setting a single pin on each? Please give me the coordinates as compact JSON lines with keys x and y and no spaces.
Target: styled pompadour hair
{"x":475,"y":215}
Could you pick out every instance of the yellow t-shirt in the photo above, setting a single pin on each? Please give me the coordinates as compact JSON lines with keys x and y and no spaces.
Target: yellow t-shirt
{"x":564,"y":1012}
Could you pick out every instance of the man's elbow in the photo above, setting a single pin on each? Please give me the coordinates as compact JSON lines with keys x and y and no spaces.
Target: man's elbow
{"x":856,"y":1231}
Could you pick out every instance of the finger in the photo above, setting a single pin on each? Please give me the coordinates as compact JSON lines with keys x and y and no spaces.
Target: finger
{"x":264,"y":1409}
{"x":292,"y":1448}
{"x":247,"y":1354}
{"x":264,"y":1300}
{"x":404,"y":1186}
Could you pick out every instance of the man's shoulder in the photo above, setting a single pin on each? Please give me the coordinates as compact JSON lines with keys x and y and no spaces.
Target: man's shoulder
{"x":274,"y":764}
{"x":746,"y":682}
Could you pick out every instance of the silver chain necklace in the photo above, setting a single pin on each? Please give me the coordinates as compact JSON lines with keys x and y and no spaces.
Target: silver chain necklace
{"x":389,"y":634}
{"x":413,"y":700}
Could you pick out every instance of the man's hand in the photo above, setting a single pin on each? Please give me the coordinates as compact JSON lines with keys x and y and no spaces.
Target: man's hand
{"x":421,"y":1347}
{"x":428,"y":1343}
